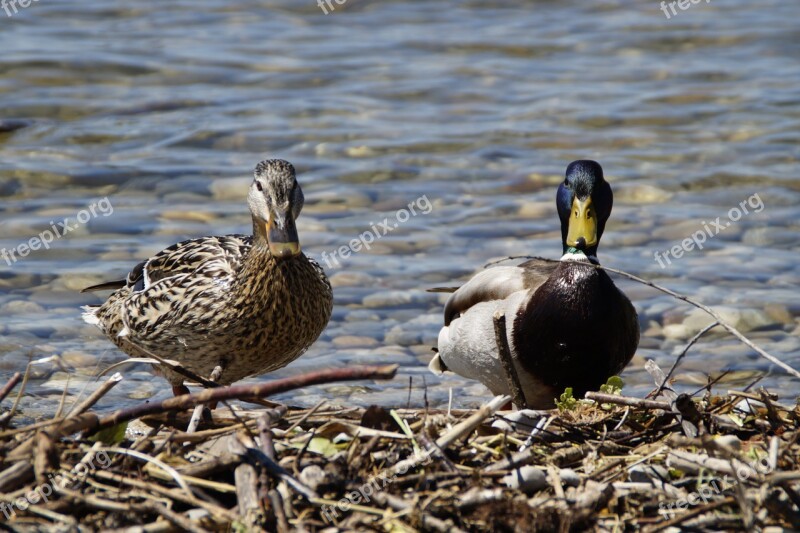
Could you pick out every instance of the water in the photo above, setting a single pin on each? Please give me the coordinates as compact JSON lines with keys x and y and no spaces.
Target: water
{"x":164,"y":109}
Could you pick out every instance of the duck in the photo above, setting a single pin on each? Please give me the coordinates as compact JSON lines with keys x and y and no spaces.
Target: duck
{"x":568,"y":325}
{"x":249,"y":304}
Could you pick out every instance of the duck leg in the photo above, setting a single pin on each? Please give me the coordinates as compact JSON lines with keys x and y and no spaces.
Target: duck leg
{"x":204,"y":411}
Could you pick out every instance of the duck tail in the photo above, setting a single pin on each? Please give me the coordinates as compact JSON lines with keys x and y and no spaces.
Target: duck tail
{"x":90,"y":314}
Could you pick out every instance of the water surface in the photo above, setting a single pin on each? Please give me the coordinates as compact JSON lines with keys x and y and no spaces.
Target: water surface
{"x":164,"y":109}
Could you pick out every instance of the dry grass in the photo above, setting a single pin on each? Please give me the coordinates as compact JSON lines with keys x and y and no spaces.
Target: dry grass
{"x":601,"y":466}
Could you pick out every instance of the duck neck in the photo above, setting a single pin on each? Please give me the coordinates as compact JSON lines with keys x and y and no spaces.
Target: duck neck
{"x":573,"y":254}
{"x":259,"y":233}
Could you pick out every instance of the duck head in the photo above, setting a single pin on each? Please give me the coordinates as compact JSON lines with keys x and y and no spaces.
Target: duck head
{"x":584,"y":201}
{"x":275,"y":201}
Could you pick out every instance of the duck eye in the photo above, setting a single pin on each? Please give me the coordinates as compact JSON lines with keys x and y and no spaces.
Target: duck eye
{"x":258,"y":185}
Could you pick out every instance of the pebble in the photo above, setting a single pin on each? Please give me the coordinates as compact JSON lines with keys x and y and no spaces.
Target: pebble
{"x":312,"y":476}
{"x":351,"y":279}
{"x":352,"y":341}
{"x":729,"y":441}
{"x":362,"y":315}
{"x":78,"y":359}
{"x":654,"y":474}
{"x":742,"y":319}
{"x":21,"y":307}
{"x":535,"y":210}
{"x":528,"y":479}
{"x":232,"y":189}
{"x":388,"y":299}
{"x":641,"y":193}
{"x":403,"y":337}
{"x":779,"y":313}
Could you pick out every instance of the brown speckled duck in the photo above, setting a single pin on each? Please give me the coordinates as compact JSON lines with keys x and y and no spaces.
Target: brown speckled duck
{"x":567,"y":323}
{"x":248,"y":304}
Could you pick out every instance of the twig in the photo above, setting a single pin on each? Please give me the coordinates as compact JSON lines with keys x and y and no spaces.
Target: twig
{"x":732,"y":330}
{"x":198,"y":410}
{"x":276,"y":502}
{"x":456,"y":432}
{"x":10,"y":384}
{"x":683,"y":354}
{"x":101,"y":391}
{"x":160,"y":464}
{"x":173,"y":494}
{"x":501,"y":339}
{"x":691,"y":514}
{"x":249,"y":450}
{"x":602,"y":397}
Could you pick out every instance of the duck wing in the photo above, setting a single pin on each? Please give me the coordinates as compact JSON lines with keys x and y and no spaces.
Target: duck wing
{"x":224,"y":253}
{"x":498,"y":283}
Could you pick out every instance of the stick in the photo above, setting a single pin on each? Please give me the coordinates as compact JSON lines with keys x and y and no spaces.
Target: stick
{"x":9,"y":385}
{"x":96,"y":395}
{"x":683,"y":353}
{"x":602,"y":397}
{"x":259,"y":390}
{"x":691,"y":514}
{"x":501,"y":339}
{"x":91,"y":423}
{"x":455,"y":433}
{"x":198,"y":410}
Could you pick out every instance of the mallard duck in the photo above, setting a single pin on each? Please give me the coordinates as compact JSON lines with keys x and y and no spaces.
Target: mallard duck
{"x":250,"y":304}
{"x":567,"y":323}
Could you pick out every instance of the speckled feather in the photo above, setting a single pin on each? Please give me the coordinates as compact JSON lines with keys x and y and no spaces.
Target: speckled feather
{"x":220,"y":300}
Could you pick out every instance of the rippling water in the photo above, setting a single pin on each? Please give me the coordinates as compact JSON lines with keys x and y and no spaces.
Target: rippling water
{"x":164,"y":109}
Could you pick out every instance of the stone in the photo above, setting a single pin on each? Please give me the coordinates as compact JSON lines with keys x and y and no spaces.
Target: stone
{"x":352,"y":341}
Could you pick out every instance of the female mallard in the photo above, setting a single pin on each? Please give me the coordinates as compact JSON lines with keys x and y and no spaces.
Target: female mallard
{"x":567,"y":324}
{"x":248,"y":304}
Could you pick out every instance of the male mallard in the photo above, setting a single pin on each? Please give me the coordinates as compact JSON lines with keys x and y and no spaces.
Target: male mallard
{"x":567,"y":324}
{"x":248,"y":304}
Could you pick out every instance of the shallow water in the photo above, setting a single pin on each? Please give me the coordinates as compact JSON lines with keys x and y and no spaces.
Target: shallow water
{"x":164,"y":110}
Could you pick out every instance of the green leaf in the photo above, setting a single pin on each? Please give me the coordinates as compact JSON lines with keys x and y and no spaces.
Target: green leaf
{"x":111,"y":436}
{"x":614,"y":385}
{"x":566,"y":402}
{"x":323,"y":446}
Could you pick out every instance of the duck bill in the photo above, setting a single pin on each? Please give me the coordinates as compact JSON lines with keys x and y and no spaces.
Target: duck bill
{"x":282,"y":236}
{"x":582,"y":230}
